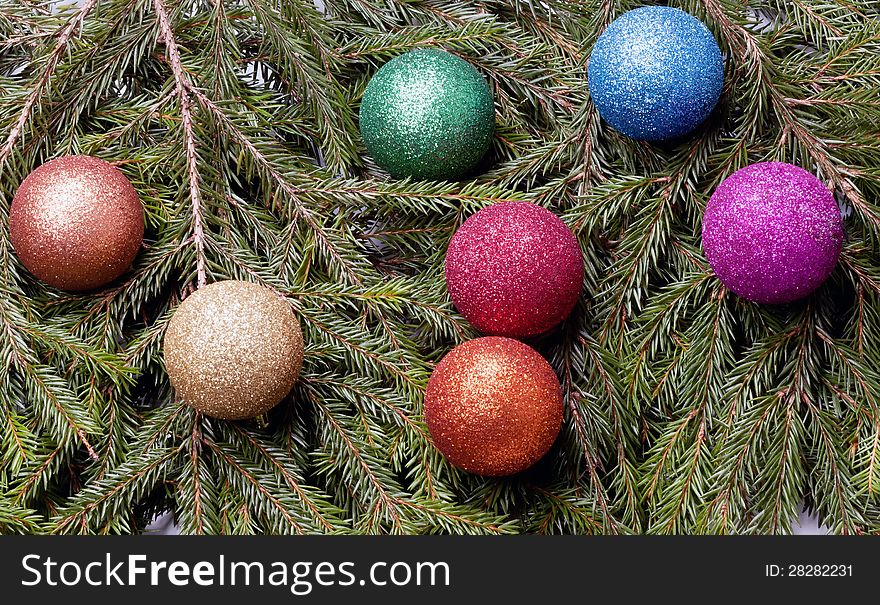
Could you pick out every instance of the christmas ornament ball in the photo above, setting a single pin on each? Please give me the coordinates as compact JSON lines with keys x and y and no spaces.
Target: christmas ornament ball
{"x":655,"y":73}
{"x":76,"y":223}
{"x":514,"y":269}
{"x":772,"y":232}
{"x":493,"y":406}
{"x":233,"y":349}
{"x":427,"y":114}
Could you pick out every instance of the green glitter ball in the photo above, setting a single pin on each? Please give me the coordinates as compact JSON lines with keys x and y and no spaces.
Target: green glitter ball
{"x":428,"y":115}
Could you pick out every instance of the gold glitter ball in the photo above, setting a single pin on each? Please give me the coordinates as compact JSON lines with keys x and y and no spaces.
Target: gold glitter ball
{"x":233,"y":349}
{"x":493,"y":406}
{"x":76,"y":223}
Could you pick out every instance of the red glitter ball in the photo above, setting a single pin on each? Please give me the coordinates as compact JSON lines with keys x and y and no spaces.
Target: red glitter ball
{"x":514,"y":269}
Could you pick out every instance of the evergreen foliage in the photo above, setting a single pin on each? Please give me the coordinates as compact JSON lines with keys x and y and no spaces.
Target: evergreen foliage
{"x":688,"y":410}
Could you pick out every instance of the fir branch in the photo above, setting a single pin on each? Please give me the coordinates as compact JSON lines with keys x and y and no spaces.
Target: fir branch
{"x":64,"y":36}
{"x":255,"y":487}
{"x":301,"y":210}
{"x":18,"y":441}
{"x":37,"y":475}
{"x":182,"y":87}
{"x":317,"y":505}
{"x":100,"y":502}
{"x":380,"y":504}
{"x":17,"y":520}
{"x":196,"y":486}
{"x":585,"y":441}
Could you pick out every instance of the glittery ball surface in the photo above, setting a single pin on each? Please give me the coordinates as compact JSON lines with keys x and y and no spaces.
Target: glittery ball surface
{"x":493,"y":406}
{"x":427,"y":114}
{"x":655,"y":73}
{"x":233,"y":349}
{"x":514,"y":269}
{"x":76,"y":223}
{"x":772,"y":232}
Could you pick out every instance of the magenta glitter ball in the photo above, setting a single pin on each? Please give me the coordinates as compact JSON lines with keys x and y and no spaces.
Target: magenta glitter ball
{"x":514,"y":269}
{"x":772,"y":232}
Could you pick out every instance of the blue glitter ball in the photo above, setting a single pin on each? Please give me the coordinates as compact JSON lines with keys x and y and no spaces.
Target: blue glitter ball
{"x":427,"y":114}
{"x":655,"y":73}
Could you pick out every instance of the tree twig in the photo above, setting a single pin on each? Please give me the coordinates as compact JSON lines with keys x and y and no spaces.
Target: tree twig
{"x":54,"y":59}
{"x":182,"y":87}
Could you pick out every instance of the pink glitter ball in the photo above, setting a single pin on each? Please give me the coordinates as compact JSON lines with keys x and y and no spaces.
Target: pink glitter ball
{"x":514,"y":269}
{"x":772,"y":232}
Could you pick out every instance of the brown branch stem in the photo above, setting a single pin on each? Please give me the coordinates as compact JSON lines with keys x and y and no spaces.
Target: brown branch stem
{"x":182,"y":87}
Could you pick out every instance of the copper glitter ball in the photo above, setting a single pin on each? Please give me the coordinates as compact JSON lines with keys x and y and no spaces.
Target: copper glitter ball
{"x":76,"y":223}
{"x":493,"y":406}
{"x":233,"y":350}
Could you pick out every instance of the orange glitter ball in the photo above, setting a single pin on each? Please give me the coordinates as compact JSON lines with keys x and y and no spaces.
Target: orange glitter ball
{"x":493,"y":406}
{"x":76,"y":223}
